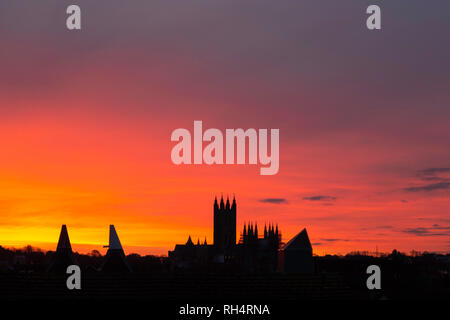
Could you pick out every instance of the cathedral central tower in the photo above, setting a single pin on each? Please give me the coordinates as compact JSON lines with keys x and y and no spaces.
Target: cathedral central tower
{"x":224,"y":224}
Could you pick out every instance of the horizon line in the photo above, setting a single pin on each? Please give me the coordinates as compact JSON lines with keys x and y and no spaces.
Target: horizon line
{"x":362,"y":252}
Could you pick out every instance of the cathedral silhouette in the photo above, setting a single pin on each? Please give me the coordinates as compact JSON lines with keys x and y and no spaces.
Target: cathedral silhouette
{"x":252,"y":253}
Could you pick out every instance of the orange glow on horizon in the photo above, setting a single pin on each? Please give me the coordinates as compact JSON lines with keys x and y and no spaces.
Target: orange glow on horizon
{"x":96,"y":152}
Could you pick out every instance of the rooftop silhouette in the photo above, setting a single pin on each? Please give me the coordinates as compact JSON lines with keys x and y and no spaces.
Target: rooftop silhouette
{"x":115,"y":259}
{"x":64,"y":255}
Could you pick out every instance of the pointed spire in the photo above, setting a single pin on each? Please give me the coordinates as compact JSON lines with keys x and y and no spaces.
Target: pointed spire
{"x":216,"y":205}
{"x":114,"y":242}
{"x":228,"y":204}
{"x":205,"y":243}
{"x":245,"y":230}
{"x":63,"y":242}
{"x":222,"y":205}
{"x":189,"y":242}
{"x":233,"y":205}
{"x":198,"y":241}
{"x":256,"y":230}
{"x":265,"y":231}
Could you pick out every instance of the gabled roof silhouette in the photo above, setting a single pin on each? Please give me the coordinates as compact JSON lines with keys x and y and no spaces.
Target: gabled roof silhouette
{"x":115,"y":260}
{"x":63,"y":256}
{"x":299,"y":242}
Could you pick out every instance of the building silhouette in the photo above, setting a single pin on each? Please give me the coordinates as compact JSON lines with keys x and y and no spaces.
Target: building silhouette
{"x":296,"y":255}
{"x":64,"y":256}
{"x":115,"y":260}
{"x":224,"y":226}
{"x":259,"y":253}
{"x":251,"y":253}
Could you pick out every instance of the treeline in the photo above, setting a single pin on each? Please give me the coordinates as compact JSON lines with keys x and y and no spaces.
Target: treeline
{"x":402,"y":276}
{"x":31,"y":259}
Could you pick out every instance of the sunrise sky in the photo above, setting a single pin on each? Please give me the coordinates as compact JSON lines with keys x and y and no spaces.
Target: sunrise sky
{"x":86,"y":118}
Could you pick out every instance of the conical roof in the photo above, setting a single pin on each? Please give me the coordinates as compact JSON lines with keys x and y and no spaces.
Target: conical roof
{"x":300,"y":241}
{"x":115,"y":260}
{"x":114,"y":242}
{"x":63,"y":256}
{"x":63,"y":242}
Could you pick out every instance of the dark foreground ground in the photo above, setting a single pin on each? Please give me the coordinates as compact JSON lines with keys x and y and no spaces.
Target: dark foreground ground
{"x":403,"y":277}
{"x":178,"y":287}
{"x":212,"y":288}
